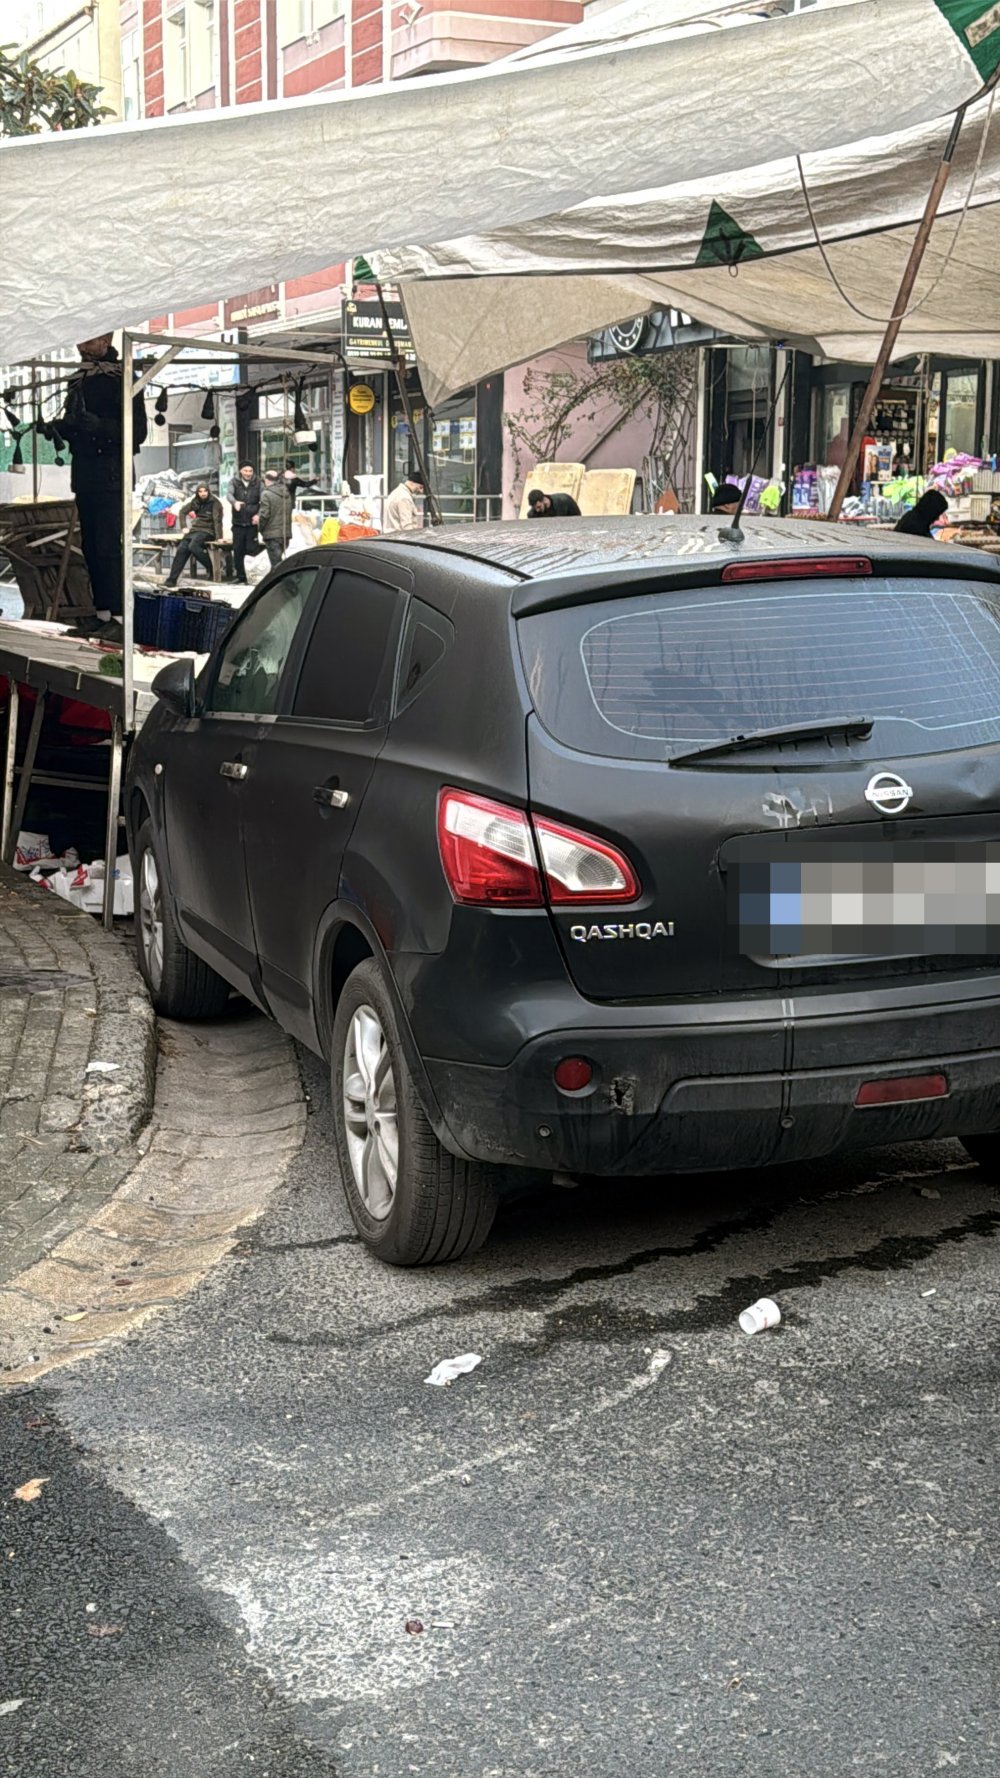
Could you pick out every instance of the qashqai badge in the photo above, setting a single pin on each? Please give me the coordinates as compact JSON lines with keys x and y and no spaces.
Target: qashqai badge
{"x":888,"y":794}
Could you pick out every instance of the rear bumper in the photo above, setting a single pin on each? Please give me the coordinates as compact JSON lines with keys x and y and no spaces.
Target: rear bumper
{"x":697,"y":1097}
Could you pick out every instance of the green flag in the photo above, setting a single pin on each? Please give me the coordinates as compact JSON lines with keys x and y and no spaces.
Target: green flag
{"x":977,"y":27}
{"x":725,"y":242}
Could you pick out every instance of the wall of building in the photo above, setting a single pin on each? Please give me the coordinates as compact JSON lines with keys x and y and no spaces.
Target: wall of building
{"x":596,"y":439}
{"x":261,"y":52}
{"x":87,"y":46}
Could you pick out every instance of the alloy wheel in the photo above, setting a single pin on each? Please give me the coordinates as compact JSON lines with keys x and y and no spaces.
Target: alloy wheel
{"x":370,"y":1113}
{"x":151,"y":917}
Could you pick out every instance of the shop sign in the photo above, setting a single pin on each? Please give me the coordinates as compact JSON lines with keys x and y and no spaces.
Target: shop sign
{"x":664,"y":330}
{"x":360,"y":398}
{"x":258,"y":305}
{"x":365,"y":340}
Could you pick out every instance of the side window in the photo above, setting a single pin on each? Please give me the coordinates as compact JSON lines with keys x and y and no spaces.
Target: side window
{"x":344,"y":675}
{"x":254,"y":655}
{"x":426,"y":639}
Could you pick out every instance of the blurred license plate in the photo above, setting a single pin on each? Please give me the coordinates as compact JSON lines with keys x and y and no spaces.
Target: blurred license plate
{"x":882,"y":901}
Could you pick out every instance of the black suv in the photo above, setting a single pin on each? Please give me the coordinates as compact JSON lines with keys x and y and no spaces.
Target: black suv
{"x":595,"y":847}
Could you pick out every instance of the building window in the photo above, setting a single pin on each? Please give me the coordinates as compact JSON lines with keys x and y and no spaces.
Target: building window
{"x":188,"y":51}
{"x":303,"y":18}
{"x":131,"y":76}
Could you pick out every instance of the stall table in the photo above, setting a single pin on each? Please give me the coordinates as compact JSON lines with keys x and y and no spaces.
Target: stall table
{"x":59,"y":666}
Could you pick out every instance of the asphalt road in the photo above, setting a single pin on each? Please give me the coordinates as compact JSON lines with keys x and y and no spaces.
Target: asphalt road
{"x":771,"y":1555}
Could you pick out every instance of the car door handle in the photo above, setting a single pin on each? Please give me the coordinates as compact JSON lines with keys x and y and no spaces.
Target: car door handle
{"x":330,"y":797}
{"x":233,"y":768}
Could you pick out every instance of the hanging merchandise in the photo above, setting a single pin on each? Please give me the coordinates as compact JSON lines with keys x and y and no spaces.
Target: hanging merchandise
{"x":160,"y":415}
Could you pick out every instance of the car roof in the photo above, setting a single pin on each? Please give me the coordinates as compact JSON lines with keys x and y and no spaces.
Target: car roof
{"x":547,"y":549}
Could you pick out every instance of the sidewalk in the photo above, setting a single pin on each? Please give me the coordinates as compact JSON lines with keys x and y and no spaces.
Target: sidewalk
{"x":70,"y":994}
{"x":112,"y":1209}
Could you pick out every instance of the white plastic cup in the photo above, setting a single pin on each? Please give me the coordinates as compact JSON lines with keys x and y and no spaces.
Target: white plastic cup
{"x":761,"y":1314}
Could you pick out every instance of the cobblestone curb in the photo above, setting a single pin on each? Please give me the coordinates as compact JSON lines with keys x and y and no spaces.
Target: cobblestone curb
{"x":230,"y":1115}
{"x":70,"y":994}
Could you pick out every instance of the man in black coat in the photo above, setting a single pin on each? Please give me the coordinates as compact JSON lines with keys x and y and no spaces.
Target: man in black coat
{"x":92,"y":426}
{"x":551,"y":506}
{"x":244,"y":496}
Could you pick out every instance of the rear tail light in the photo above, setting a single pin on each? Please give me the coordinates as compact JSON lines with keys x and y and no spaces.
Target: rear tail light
{"x":800,"y":568}
{"x":487,"y":852}
{"x":580,"y":868}
{"x":903,"y":1090}
{"x":496,"y":856}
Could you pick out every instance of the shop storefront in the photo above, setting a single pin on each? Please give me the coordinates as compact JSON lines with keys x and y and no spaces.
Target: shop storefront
{"x":927,"y":410}
{"x":461,"y":443}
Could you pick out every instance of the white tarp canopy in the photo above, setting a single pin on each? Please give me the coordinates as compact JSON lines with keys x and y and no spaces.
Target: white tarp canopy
{"x":107,"y":227}
{"x":740,"y":254}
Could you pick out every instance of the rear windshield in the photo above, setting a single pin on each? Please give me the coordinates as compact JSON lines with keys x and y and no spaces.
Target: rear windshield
{"x":651,"y":677}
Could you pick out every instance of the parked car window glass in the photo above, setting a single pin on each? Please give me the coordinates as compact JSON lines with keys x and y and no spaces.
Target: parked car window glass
{"x":343,"y":676}
{"x":254,"y":655}
{"x":654,"y":676}
{"x":426,"y":638}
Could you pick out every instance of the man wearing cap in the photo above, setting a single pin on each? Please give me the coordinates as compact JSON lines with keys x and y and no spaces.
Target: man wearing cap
{"x":401,"y":512}
{"x":727,"y":497}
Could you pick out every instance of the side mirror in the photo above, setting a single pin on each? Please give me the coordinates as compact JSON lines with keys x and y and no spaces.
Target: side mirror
{"x":174,"y":686}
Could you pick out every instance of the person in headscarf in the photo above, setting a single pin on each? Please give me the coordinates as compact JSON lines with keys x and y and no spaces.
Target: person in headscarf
{"x":929,"y":508}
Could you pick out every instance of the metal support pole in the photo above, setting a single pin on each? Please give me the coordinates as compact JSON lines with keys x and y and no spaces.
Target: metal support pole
{"x":28,"y":763}
{"x":907,"y":282}
{"x":8,"y":839}
{"x":128,"y":625}
{"x":400,"y":369}
{"x":111,"y":831}
{"x":34,"y":434}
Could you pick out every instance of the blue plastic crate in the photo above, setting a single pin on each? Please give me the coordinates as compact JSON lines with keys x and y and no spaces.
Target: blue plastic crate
{"x":146,"y":610}
{"x":191,"y":640}
{"x":216,"y":621}
{"x":169,"y":621}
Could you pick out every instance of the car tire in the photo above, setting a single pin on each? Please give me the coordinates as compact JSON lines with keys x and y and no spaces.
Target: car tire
{"x":984,"y":1150}
{"x":180,"y":985}
{"x":430,"y":1207}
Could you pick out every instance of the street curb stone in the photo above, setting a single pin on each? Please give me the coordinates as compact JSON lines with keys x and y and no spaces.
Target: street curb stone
{"x":195,"y":1180}
{"x":70,"y":994}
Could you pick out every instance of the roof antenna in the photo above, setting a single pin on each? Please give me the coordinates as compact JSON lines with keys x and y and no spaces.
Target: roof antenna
{"x":733,"y":533}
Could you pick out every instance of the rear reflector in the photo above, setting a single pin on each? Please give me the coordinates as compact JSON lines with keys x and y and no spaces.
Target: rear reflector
{"x":497,"y":856}
{"x":903,"y":1091}
{"x":573,"y":1073}
{"x":800,"y":568}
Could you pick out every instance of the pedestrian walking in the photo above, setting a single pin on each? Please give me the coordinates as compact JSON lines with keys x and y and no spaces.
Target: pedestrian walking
{"x":275,"y":516}
{"x":244,"y":497}
{"x":551,"y":506}
{"x":203,"y":518}
{"x":401,"y":512}
{"x":91,"y":424}
{"x":929,"y":508}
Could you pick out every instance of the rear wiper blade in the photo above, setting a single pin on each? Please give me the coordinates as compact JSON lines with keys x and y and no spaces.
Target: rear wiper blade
{"x":854,"y":728}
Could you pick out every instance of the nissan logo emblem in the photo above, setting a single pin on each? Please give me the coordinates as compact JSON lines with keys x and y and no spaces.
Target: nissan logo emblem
{"x":889,"y":794}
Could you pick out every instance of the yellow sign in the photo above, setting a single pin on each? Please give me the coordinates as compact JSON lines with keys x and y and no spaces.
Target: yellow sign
{"x":360,"y":398}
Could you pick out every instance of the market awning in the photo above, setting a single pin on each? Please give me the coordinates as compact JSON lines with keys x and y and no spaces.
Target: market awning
{"x":740,"y":254}
{"x":111,"y":226}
